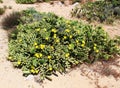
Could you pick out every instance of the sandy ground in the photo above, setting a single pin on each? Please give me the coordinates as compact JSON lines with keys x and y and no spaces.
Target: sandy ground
{"x":97,"y":75}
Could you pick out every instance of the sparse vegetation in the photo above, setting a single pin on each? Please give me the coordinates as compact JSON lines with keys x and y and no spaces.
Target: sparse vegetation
{"x":11,"y":20}
{"x":1,"y":1}
{"x":101,"y":11}
{"x":26,"y":1}
{"x":2,"y":10}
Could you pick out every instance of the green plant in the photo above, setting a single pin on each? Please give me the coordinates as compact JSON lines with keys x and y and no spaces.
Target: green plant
{"x":26,"y":1}
{"x":76,"y":1}
{"x":47,"y":0}
{"x":1,"y":1}
{"x":101,"y":11}
{"x":11,"y":20}
{"x":117,"y":40}
{"x":45,"y":43}
{"x":10,"y":7}
{"x":5,"y":7}
{"x":114,"y":2}
{"x":2,"y":10}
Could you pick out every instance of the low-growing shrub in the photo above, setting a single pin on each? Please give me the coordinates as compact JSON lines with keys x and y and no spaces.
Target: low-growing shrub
{"x":26,"y":1}
{"x":2,"y":10}
{"x":45,"y":43}
{"x":101,"y":11}
{"x":1,"y":1}
{"x":11,"y":20}
{"x":31,"y":1}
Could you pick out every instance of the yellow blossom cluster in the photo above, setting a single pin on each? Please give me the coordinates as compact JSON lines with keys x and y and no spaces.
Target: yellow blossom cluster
{"x":42,"y":46}
{"x":38,"y":55}
{"x":67,"y":30}
{"x":67,"y":55}
{"x":49,"y":57}
{"x":54,"y":30}
{"x":95,"y":48}
{"x":83,"y":43}
{"x":38,"y":29}
{"x":64,"y":37}
{"x":55,"y":35}
{"x":34,"y":71}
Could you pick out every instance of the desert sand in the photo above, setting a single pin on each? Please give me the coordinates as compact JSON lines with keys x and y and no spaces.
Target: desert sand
{"x":98,"y":75}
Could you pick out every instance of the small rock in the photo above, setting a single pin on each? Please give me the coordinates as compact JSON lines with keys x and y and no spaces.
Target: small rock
{"x":57,"y":3}
{"x":29,"y":77}
{"x":75,"y":4}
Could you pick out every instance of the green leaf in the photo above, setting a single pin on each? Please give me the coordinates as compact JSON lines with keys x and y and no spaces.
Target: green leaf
{"x":42,"y":61}
{"x":35,"y":62}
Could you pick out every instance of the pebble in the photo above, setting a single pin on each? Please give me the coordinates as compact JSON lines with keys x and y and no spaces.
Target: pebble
{"x":29,"y":77}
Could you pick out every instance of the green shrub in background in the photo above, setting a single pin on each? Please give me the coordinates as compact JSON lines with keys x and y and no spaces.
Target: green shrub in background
{"x":101,"y":11}
{"x":114,"y":2}
{"x":1,"y":1}
{"x":33,"y":1}
{"x":2,"y":10}
{"x":26,"y":1}
{"x":45,"y":43}
{"x":11,"y":20}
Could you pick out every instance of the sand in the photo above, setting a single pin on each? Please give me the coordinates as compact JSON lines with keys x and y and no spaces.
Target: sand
{"x":97,"y":75}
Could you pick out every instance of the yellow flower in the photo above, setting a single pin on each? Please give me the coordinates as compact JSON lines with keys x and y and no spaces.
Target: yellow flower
{"x":105,"y":39}
{"x":19,"y":62}
{"x":37,"y":55}
{"x":52,"y":47}
{"x":55,"y":36}
{"x":57,"y":40}
{"x":49,"y":57}
{"x":70,"y":46}
{"x":76,"y":62}
{"x":42,"y":46}
{"x":54,"y":30}
{"x":9,"y":58}
{"x":97,"y":51}
{"x":20,"y":40}
{"x":94,"y":48}
{"x":36,"y":71}
{"x":64,"y":37}
{"x":46,"y":38}
{"x":50,"y":68}
{"x":77,"y":41}
{"x":67,"y":30}
{"x":35,"y":43}
{"x":68,"y":25}
{"x":82,"y":45}
{"x":40,"y":55}
{"x":67,"y":55}
{"x":38,"y":29}
{"x":71,"y":36}
{"x":83,"y":42}
{"x":67,"y":22}
{"x":36,"y":46}
{"x":95,"y":44}
{"x":32,"y":71}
